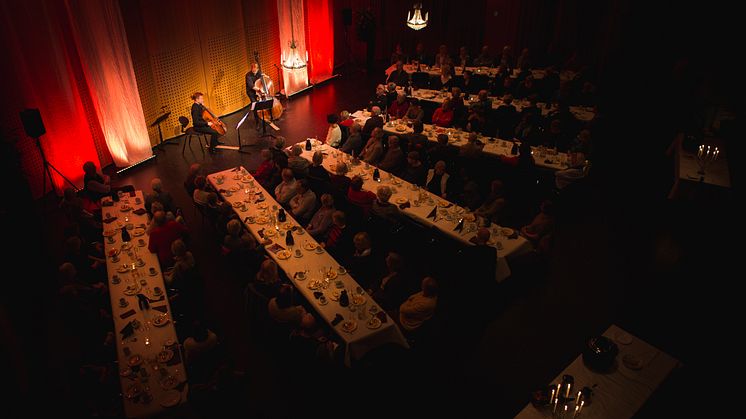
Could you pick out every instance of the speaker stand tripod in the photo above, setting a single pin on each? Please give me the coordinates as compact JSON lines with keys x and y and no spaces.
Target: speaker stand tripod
{"x":48,"y":174}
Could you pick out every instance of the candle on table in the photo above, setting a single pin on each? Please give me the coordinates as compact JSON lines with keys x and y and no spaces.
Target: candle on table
{"x":551,"y":397}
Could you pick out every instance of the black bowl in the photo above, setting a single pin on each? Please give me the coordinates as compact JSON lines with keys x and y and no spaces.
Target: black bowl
{"x":600,"y":353}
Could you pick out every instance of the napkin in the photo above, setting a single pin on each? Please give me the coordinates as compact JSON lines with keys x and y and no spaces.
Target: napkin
{"x":127,"y":330}
{"x":139,"y":211}
{"x":127,"y":314}
{"x":338,"y":318}
{"x":405,"y":205}
{"x":109,"y":220}
{"x":275,"y":248}
{"x":162,"y":309}
{"x":260,"y":232}
{"x":317,"y":294}
{"x":433,"y":213}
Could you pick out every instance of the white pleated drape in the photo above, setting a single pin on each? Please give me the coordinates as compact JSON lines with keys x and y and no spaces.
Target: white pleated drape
{"x":101,"y":40}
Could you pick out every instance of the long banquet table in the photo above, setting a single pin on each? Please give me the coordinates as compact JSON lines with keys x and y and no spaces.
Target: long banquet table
{"x":239,"y":189}
{"x":492,"y":146}
{"x":487,"y":71}
{"x":620,"y":393}
{"x":447,"y":213}
{"x":150,"y":360}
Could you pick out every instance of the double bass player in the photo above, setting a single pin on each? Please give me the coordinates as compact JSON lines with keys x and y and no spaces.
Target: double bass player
{"x":252,"y":90}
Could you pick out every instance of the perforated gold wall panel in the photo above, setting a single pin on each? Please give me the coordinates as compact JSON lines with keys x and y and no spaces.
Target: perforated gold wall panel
{"x":180,"y":47}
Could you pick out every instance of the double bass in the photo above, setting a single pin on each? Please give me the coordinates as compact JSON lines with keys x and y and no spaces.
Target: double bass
{"x":217,"y":124}
{"x":265,"y":89}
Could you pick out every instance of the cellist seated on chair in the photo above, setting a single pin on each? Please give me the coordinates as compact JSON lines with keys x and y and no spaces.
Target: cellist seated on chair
{"x":199,"y":123}
{"x":252,"y":89}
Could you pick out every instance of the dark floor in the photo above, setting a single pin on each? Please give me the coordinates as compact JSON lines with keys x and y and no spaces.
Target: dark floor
{"x":639,"y":267}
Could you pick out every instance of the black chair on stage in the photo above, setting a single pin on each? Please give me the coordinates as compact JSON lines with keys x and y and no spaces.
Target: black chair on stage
{"x":189,"y":133}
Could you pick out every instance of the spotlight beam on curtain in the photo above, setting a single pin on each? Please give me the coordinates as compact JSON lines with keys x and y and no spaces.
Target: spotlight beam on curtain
{"x":102,"y":45}
{"x":295,"y":79}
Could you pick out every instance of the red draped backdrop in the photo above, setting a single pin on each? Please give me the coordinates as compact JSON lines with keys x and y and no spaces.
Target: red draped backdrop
{"x":319,"y":27}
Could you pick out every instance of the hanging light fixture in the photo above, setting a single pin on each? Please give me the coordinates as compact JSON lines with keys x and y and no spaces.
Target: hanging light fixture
{"x":415,"y":20}
{"x":292,"y":60}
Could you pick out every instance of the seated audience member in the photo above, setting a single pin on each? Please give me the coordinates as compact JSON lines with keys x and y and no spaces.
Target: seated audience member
{"x":364,"y":263}
{"x":523,"y":62}
{"x":354,"y":143}
{"x":469,"y":85}
{"x":443,"y":116}
{"x":394,"y":287}
{"x":379,"y":100}
{"x":399,"y":107}
{"x":303,"y":203}
{"x":346,"y":119}
{"x":184,"y":269}
{"x":445,"y":81}
{"x":442,"y":57}
{"x":459,"y":109}
{"x":383,"y":208}
{"x":90,"y":267}
{"x":541,"y":225}
{"x":399,"y":77}
{"x":419,"y":307}
{"x":95,"y":184}
{"x":74,"y":210}
{"x":267,"y":281}
{"x":418,"y":140}
{"x":506,"y":59}
{"x":200,"y":190}
{"x":219,"y":212}
{"x":297,"y":163}
{"x":157,"y":206}
{"x":162,"y":236}
{"x":318,"y":176}
{"x":437,"y":180}
{"x":393,"y":160}
{"x":443,"y":151}
{"x":338,"y":240}
{"x":556,"y":137}
{"x":469,"y":196}
{"x":194,"y":170}
{"x":484,"y":59}
{"x":375,"y":121}
{"x":200,"y":343}
{"x":414,"y":111}
{"x":494,"y":203}
{"x":484,"y":100}
{"x":373,"y":151}
{"x":339,"y":181}
{"x":415,"y":172}
{"x":390,"y":94}
{"x":526,"y":89}
{"x":473,"y":148}
{"x":359,"y":197}
{"x":420,"y":56}
{"x":334,"y":133}
{"x":279,"y":156}
{"x":282,"y":310}
{"x":263,"y":174}
{"x":159,"y":195}
{"x":398,"y":55}
{"x":506,"y":117}
{"x":237,"y":238}
{"x":475,"y":120}
{"x":287,"y":188}
{"x":322,"y":219}
{"x":463,"y":59}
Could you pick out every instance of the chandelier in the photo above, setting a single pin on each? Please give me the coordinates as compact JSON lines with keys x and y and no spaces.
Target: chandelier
{"x":415,"y":21}
{"x":293,"y":59}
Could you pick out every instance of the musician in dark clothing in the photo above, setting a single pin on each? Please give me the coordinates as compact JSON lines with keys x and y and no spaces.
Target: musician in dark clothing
{"x":251,"y":90}
{"x":199,"y":123}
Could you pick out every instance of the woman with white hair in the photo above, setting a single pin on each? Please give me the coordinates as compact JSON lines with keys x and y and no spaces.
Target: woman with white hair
{"x":322,"y":219}
{"x":383,"y":208}
{"x":437,"y":180}
{"x":159,"y":195}
{"x":297,"y":163}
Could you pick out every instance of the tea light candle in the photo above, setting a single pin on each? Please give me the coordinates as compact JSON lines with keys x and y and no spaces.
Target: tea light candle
{"x":551,"y":397}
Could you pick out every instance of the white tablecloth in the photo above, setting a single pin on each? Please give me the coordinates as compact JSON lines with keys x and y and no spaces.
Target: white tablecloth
{"x":359,"y":341}
{"x":621,"y":393}
{"x":404,"y":190}
{"x":149,"y":340}
{"x":458,"y":138}
{"x":488,"y":71}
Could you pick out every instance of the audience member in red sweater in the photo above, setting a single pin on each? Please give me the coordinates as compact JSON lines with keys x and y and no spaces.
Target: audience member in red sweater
{"x":443,"y":116}
{"x":163,"y":234}
{"x":266,"y":169}
{"x":359,"y":197}
{"x":345,"y":119}
{"x":399,"y":107}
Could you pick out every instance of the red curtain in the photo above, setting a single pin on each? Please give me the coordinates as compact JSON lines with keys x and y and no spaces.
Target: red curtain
{"x":44,"y":72}
{"x":319,"y":26}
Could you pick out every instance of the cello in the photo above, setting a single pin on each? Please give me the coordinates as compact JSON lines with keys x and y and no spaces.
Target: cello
{"x":217,"y":124}
{"x":265,"y":89}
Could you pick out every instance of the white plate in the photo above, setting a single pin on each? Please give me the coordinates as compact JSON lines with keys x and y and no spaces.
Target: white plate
{"x":310,"y":246}
{"x":165,"y":355}
{"x":139,"y":231}
{"x":170,"y":398}
{"x":349,"y":326}
{"x":623,"y":338}
{"x":160,"y":321}
{"x":283,"y":254}
{"x":506,"y":231}
{"x":373,"y":323}
{"x":401,"y":200}
{"x":324,"y":302}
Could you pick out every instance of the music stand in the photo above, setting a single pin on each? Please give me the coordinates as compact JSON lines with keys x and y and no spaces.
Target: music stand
{"x":238,"y":130}
{"x":157,"y":123}
{"x":262,"y":105}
